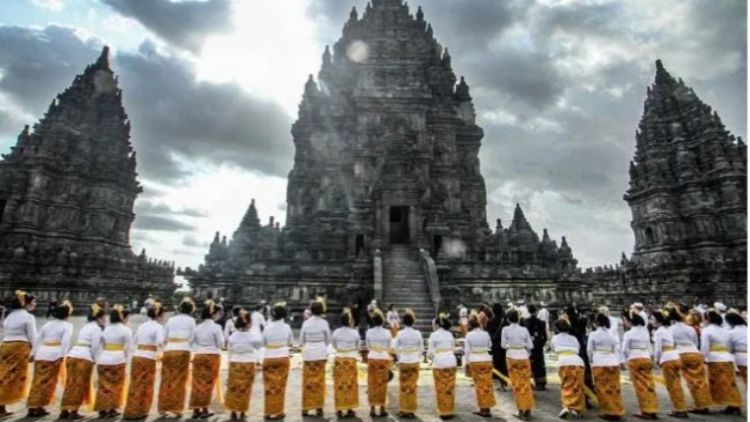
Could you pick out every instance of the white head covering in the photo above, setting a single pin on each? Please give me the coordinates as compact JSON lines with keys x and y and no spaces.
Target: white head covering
{"x":720,"y":307}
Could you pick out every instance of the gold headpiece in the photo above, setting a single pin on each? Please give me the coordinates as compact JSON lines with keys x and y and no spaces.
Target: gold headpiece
{"x":69,"y":305}
{"x":95,"y":309}
{"x":282,"y":304}
{"x":119,"y":309}
{"x":409,"y":311}
{"x":322,"y":301}
{"x":157,"y":307}
{"x":211,"y":306}
{"x":21,"y":296}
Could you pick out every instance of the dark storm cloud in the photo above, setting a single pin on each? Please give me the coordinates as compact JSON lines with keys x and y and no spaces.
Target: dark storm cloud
{"x":175,"y":119}
{"x":185,"y":23}
{"x":159,"y":223}
{"x":148,"y":207}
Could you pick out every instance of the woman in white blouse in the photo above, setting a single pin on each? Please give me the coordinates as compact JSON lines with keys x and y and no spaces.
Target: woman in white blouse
{"x":715,"y":346}
{"x":175,"y":364}
{"x":693,"y":362}
{"x":112,"y":362}
{"x":477,"y":356}
{"x":441,"y":350}
{"x":80,"y":361}
{"x":636,"y":349}
{"x":345,"y":344}
{"x":314,"y":338}
{"x":409,"y":347}
{"x":605,"y":369}
{"x":570,"y":368}
{"x":738,"y":342}
{"x":148,"y":340}
{"x":517,"y":341}
{"x":277,"y":339}
{"x":207,"y":343}
{"x":244,"y":348}
{"x":48,"y":353}
{"x":19,"y":326}
{"x":666,"y":356}
{"x":378,"y":341}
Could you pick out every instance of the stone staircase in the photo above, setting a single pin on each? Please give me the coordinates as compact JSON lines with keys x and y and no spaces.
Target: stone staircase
{"x":404,"y":285}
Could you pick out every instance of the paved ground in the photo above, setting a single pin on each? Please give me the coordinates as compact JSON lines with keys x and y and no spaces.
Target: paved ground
{"x":548,"y":402}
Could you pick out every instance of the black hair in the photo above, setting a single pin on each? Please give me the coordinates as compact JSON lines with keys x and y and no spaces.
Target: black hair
{"x":317,"y":308}
{"x":674,"y":315}
{"x":661,"y":319}
{"x":636,"y":320}
{"x":497,"y":310}
{"x":390,"y":307}
{"x":15,"y":303}
{"x":473,"y":321}
{"x":236,"y":310}
{"x":714,"y":317}
{"x":513,"y":316}
{"x":117,"y":316}
{"x":91,"y":316}
{"x":62,"y":311}
{"x":243,"y":319}
{"x":443,"y":322}
{"x":155,"y":312}
{"x":187,"y":307}
{"x":347,"y":320}
{"x":408,"y":318}
{"x":210,"y":310}
{"x":734,"y":319}
{"x":603,"y":320}
{"x":278,"y":312}
{"x":377,"y":318}
{"x":563,"y":326}
{"x":532,"y":309}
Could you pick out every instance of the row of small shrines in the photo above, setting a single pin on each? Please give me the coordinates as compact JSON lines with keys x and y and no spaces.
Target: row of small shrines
{"x":707,"y":355}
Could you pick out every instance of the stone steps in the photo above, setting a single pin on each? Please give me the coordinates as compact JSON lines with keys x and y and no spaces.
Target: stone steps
{"x":404,"y":285}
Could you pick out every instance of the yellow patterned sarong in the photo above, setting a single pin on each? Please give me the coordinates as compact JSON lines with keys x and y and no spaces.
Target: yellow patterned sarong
{"x":345,"y":387}
{"x":175,"y":370}
{"x":519,"y":372}
{"x":205,"y":376}
{"x":445,"y":390}
{"x":275,"y":374}
{"x":743,"y":374}
{"x":571,"y":387}
{"x":608,"y":394}
{"x":694,"y":372}
{"x":481,"y":372}
{"x":313,"y":384}
{"x":44,"y":383}
{"x":14,"y":371}
{"x":141,"y":388}
{"x":408,"y":375}
{"x":671,"y":371}
{"x":723,"y":384}
{"x":239,"y":386}
{"x":79,"y":390}
{"x":642,"y":378}
{"x":377,"y":381}
{"x":111,"y":391}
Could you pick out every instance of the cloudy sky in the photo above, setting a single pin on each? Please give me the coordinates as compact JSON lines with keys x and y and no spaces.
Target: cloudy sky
{"x":212,"y":88}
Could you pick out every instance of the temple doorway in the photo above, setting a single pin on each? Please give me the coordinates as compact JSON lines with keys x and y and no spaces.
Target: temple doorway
{"x":399,"y":225}
{"x":3,"y":202}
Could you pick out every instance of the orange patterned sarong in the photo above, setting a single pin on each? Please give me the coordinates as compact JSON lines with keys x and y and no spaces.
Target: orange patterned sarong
{"x":110,"y":394}
{"x":239,"y":386}
{"x":644,"y":384}
{"x":79,"y":390}
{"x":377,"y":381}
{"x":345,"y":386}
{"x":141,"y":388}
{"x":408,"y":375}
{"x":723,"y":384}
{"x":313,"y":384}
{"x":694,"y":372}
{"x":275,"y":374}
{"x":175,"y":370}
{"x":743,"y":374}
{"x":481,"y":372}
{"x":14,"y":371}
{"x":519,"y":372}
{"x":445,"y":390}
{"x":608,"y":394}
{"x":205,"y":376}
{"x":44,"y":384}
{"x":671,"y":371}
{"x":571,"y":387}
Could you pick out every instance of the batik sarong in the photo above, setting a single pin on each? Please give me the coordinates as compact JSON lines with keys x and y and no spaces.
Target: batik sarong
{"x":672,"y":380}
{"x":175,"y":371}
{"x":239,"y":386}
{"x":313,"y":384}
{"x":694,"y":372}
{"x":572,"y":387}
{"x":481,"y":372}
{"x":642,"y":377}
{"x":345,"y":387}
{"x":275,"y":374}
{"x":141,"y":388}
{"x":408,"y":375}
{"x":519,"y":371}
{"x":205,"y":377}
{"x":79,"y":390}
{"x":377,"y":381}
{"x":723,"y":384}
{"x":445,"y":390}
{"x":111,"y":391}
{"x":607,"y":386}
{"x":14,"y":371}
{"x":44,"y":383}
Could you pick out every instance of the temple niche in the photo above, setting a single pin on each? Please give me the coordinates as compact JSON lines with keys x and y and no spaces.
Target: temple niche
{"x":67,"y":190}
{"x":386,"y":199}
{"x":688,"y":198}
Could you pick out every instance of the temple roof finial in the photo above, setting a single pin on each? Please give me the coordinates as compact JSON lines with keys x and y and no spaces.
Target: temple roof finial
{"x":353,"y":15}
{"x":103,"y":61}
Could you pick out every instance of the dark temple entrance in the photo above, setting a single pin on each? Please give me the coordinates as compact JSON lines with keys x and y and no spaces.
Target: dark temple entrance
{"x":399,"y":221}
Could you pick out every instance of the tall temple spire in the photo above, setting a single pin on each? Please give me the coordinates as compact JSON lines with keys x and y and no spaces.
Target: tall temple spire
{"x":103,"y":61}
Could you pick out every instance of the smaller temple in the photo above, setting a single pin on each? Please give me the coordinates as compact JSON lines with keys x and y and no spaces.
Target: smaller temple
{"x":67,"y":190}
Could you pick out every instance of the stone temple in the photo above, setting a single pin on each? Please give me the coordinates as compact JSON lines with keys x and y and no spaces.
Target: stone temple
{"x":386,"y":199}
{"x":66,"y":201}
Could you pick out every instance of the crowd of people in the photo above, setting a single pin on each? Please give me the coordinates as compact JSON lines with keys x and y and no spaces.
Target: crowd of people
{"x":707,"y":349}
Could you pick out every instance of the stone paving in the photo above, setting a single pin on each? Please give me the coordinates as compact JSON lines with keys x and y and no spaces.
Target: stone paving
{"x":547,"y":402}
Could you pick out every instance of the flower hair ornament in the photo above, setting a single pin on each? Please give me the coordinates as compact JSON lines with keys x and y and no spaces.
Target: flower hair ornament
{"x":69,"y":305}
{"x":119,"y":309}
{"x":21,"y":296}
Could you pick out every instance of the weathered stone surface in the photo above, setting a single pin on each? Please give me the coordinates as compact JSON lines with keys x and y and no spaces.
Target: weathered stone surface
{"x":66,"y":201}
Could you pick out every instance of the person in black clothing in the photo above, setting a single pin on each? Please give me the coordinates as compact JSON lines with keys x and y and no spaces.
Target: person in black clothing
{"x":494,"y":329}
{"x":538,"y":330}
